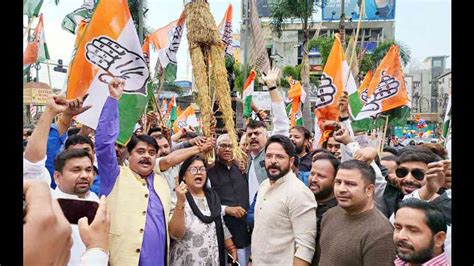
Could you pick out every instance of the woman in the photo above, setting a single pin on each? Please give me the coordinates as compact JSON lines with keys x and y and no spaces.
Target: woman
{"x":201,"y":237}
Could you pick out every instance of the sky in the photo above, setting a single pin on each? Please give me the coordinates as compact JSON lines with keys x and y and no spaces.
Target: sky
{"x":423,"y":25}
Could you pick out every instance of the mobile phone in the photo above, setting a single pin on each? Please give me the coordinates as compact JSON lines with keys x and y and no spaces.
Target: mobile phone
{"x":74,"y":209}
{"x":230,"y":259}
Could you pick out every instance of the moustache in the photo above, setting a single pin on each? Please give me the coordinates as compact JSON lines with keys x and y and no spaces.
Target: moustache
{"x":145,"y":161}
{"x":409,"y":183}
{"x":403,"y":244}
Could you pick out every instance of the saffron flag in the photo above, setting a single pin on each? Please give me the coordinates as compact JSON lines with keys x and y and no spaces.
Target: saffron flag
{"x":36,"y":50}
{"x":105,"y":52}
{"x":296,"y":97}
{"x":187,"y":118}
{"x":387,"y":89}
{"x":166,"y":40}
{"x":247,"y":93}
{"x":225,"y":31}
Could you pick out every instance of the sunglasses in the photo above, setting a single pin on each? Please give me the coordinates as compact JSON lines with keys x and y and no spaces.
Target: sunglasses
{"x":418,"y":174}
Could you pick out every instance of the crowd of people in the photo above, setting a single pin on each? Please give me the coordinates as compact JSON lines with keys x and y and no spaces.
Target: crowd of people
{"x":289,"y":201}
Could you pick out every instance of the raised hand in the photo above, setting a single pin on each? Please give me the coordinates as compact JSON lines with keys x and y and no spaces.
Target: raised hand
{"x":344,"y":105}
{"x":75,"y":106}
{"x":118,"y":62}
{"x":272,"y":77}
{"x":116,"y":87}
{"x":181,"y":191}
{"x":342,"y":136}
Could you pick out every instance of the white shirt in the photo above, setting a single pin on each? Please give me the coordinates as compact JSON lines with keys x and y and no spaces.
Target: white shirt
{"x":253,"y":181}
{"x":79,"y":255}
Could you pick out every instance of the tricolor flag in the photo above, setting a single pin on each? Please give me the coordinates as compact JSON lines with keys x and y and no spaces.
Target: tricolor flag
{"x":387,"y":89}
{"x":172,"y":111}
{"x":447,"y":119}
{"x":146,"y":49}
{"x":331,"y":86}
{"x":164,"y":107}
{"x":247,"y":94}
{"x":37,"y":50}
{"x":187,"y":118}
{"x":225,"y":31}
{"x":296,"y":97}
{"x":166,"y":40}
{"x":72,"y":20}
{"x":110,"y":48}
{"x":31,"y":8}
{"x":355,"y":103}
{"x":179,"y":111}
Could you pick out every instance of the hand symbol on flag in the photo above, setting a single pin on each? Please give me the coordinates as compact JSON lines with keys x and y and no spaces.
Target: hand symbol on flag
{"x":387,"y":87}
{"x":118,"y":62}
{"x":364,"y":95}
{"x":326,"y":91}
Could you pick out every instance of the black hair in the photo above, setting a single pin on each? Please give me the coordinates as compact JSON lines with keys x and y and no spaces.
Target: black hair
{"x":78,"y":139}
{"x":73,"y":131}
{"x":65,"y":155}
{"x":154,"y":129}
{"x":391,"y":158}
{"x":185,"y":165}
{"x":364,"y":168}
{"x":392,"y":150}
{"x":145,"y":138}
{"x":417,"y":154}
{"x":253,"y":124}
{"x":434,"y":218}
{"x":320,"y":150}
{"x":283,"y":141}
{"x":305,"y":131}
{"x":331,"y":158}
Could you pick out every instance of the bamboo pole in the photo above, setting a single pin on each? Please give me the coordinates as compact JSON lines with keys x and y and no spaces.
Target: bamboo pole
{"x":361,"y":15}
{"x":384,"y":133}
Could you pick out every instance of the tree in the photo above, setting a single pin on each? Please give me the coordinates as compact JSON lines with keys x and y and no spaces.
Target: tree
{"x":302,"y":10}
{"x":324,"y":45}
{"x":371,"y":61}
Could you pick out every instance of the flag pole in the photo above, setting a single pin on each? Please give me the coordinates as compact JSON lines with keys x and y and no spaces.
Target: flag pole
{"x":361,"y":15}
{"x":49,"y":75}
{"x":384,"y":133}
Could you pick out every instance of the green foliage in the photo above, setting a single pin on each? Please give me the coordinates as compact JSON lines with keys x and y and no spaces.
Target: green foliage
{"x":324,"y":45}
{"x":371,"y":61}
{"x":281,"y":10}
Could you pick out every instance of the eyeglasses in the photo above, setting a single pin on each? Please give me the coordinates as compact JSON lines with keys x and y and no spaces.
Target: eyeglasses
{"x":194,"y":170}
{"x":418,"y":174}
{"x":224,"y":146}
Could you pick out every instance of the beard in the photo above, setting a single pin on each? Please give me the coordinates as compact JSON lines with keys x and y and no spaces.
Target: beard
{"x":299,"y":148}
{"x":323,"y":193}
{"x":418,"y":257}
{"x":282,"y":172}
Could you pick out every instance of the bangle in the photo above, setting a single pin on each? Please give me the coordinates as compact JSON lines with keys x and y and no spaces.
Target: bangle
{"x":341,"y":119}
{"x":272,"y":88}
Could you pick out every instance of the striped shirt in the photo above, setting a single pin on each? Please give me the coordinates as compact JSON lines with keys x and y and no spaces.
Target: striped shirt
{"x":440,"y":260}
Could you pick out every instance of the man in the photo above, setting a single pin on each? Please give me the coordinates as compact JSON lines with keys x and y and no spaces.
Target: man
{"x":419,"y":235}
{"x":334,"y":147}
{"x":355,"y":232}
{"x":388,"y":151}
{"x":122,"y":154}
{"x":285,"y":212}
{"x":300,"y":136}
{"x":73,"y":168}
{"x":257,"y":135}
{"x":323,"y":172}
{"x":232,"y":187}
{"x":82,"y":142}
{"x":138,"y":196}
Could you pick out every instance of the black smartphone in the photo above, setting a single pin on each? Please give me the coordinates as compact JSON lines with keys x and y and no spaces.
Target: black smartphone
{"x":230,"y":259}
{"x":74,"y":209}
